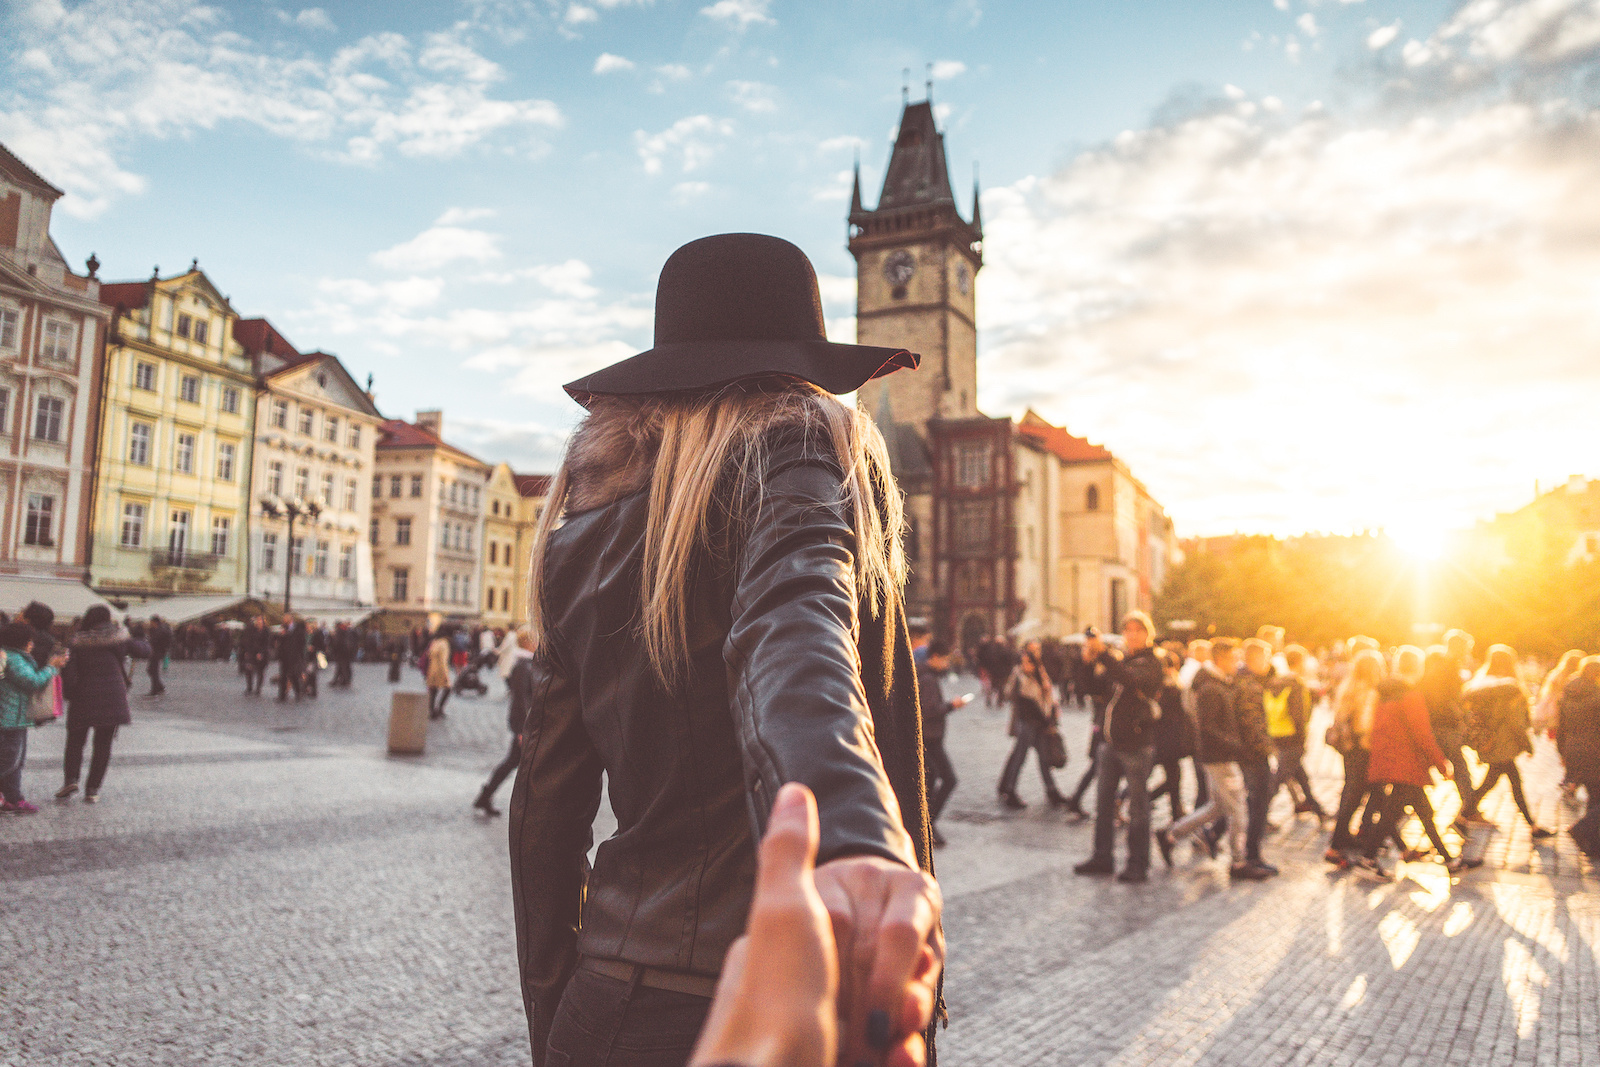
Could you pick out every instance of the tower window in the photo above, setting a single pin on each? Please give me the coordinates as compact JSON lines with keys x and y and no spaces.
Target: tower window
{"x":1091,"y":498}
{"x":972,"y":464}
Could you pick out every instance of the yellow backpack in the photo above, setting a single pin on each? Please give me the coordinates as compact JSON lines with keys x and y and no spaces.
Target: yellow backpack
{"x":1279,"y":721}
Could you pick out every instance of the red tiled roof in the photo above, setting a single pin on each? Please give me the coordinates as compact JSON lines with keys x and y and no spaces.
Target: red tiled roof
{"x":532,"y":485}
{"x":398,"y":433}
{"x":259,"y":335}
{"x":1061,"y":443}
{"x":125,"y":294}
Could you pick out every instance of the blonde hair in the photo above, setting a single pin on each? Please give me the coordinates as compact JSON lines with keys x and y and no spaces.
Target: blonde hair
{"x":1562,"y":673}
{"x":1501,"y":662}
{"x":1353,"y":703}
{"x":698,"y":441}
{"x":1408,"y":663}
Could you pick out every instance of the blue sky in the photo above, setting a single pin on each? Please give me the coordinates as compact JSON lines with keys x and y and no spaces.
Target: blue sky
{"x":1281,"y":255}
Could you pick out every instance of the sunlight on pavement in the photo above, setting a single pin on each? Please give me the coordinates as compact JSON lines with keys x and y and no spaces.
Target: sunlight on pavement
{"x":1336,"y":919}
{"x":1524,"y":980}
{"x":1460,"y":918}
{"x":1399,"y":935}
{"x":1355,"y":994}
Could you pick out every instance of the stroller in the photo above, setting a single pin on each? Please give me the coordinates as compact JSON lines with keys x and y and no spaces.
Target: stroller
{"x":467,"y":679}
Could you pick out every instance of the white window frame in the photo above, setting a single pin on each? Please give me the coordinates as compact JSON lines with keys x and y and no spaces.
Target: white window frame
{"x":269,"y":551}
{"x":221,"y":535}
{"x":140,"y":445}
{"x":134,"y":516}
{"x":275,"y":477}
{"x":41,"y":512}
{"x":58,"y":340}
{"x":227,"y":457}
{"x":10,"y":320}
{"x":230,"y":400}
{"x":183,"y":450}
{"x":51,"y":422}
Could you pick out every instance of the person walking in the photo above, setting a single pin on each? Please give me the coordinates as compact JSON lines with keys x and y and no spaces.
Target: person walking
{"x":1090,"y":682}
{"x":437,"y":672}
{"x":1403,"y":751}
{"x":1218,"y":747}
{"x":1173,"y":736}
{"x":159,"y":635}
{"x":941,"y":773}
{"x":1288,"y":705}
{"x":718,"y":613}
{"x":96,"y":691}
{"x":1444,"y":673}
{"x":1126,"y":751}
{"x":1578,"y":739}
{"x":23,"y":677}
{"x":1497,"y":728}
{"x":1034,"y":711}
{"x":521,"y":686}
{"x":344,"y":643}
{"x":291,"y":657}
{"x":1255,"y":749}
{"x":255,"y":652}
{"x":1350,"y":735}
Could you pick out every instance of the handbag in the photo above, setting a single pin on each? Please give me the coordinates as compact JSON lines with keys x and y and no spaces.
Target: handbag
{"x":1053,"y":747}
{"x":45,"y":705}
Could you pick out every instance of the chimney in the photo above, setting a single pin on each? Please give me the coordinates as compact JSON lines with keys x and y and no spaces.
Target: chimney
{"x":432,"y":421}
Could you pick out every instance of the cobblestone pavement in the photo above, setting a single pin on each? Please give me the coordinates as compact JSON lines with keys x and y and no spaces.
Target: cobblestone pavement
{"x":260,"y":884}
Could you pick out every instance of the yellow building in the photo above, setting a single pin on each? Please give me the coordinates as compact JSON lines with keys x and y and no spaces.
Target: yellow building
{"x":532,"y":489}
{"x":177,"y":414}
{"x":500,"y":559}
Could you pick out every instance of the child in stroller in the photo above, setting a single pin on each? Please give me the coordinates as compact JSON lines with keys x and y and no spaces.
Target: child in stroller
{"x":467,"y":679}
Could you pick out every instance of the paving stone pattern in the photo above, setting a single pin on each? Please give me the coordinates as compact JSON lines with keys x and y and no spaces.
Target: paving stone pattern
{"x":261,"y":884}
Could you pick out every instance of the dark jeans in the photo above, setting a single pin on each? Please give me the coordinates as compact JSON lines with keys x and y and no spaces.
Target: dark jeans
{"x":153,"y":669}
{"x":291,"y":673}
{"x":436,"y":697}
{"x":1095,"y":741}
{"x":1029,"y":736}
{"x":341,"y":673}
{"x":1291,"y":754}
{"x":507,"y":766}
{"x":99,"y":760}
{"x":1509,"y":770}
{"x":606,"y":1022}
{"x":1259,"y":789}
{"x":255,"y":674}
{"x":1115,"y":766}
{"x":941,"y":776}
{"x":1398,"y":798}
{"x":1350,"y":797}
{"x":1586,"y":831}
{"x":1452,"y":742}
{"x":13,"y":750}
{"x":1171,"y":787}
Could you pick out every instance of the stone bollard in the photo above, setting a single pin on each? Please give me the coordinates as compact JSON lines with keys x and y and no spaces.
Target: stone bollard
{"x":408,"y":724}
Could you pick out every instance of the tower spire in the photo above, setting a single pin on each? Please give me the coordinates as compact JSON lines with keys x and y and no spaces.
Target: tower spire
{"x":977,"y":207}
{"x":905,"y":86}
{"x":855,"y":189}
{"x":929,"y":83}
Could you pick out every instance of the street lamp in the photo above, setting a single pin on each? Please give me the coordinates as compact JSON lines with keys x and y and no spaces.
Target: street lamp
{"x":275,"y":507}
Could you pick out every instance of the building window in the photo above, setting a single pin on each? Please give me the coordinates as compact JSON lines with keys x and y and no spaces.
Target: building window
{"x":466,"y":589}
{"x":183,"y":454}
{"x":139,"y":444}
{"x":319,"y":560}
{"x":225,"y":457}
{"x":354,"y":439}
{"x":973,"y":581}
{"x":351,"y":488}
{"x":297,"y":555}
{"x":377,"y":486}
{"x":971,"y":527}
{"x":455,"y":589}
{"x":972,"y":464}
{"x":221,"y":532}
{"x":230,"y":400}
{"x":416,"y":486}
{"x":444,"y":535}
{"x":269,"y":551}
{"x":455,"y":491}
{"x":178,"y":535}
{"x":400,"y":587}
{"x":201,"y":330}
{"x":307,"y":421}
{"x":488,"y":604}
{"x":330,"y":429}
{"x":41,"y":520}
{"x":5,"y":408}
{"x":275,"y":477}
{"x":144,"y":376}
{"x":8,"y":328}
{"x":396,"y":484}
{"x":47,"y":418}
{"x":327,"y":490}
{"x":466,"y":532}
{"x":372,"y":532}
{"x":57,"y":344}
{"x":302,"y":482}
{"x":493,"y":551}
{"x":1091,"y":498}
{"x":185,"y":324}
{"x":133,"y":525}
{"x":402,"y":531}
{"x":189,"y":389}
{"x":505,"y":600}
{"x":444,"y":588}
{"x":280,"y":414}
{"x":347,"y":561}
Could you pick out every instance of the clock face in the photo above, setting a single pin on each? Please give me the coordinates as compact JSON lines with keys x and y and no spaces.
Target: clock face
{"x":963,"y":279}
{"x":899,"y":268}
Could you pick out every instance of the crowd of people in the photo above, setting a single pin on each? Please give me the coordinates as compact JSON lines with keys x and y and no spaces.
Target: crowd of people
{"x":1239,"y":711}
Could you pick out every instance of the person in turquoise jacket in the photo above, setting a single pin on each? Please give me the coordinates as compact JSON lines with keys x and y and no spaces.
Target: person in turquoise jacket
{"x":22,"y":679}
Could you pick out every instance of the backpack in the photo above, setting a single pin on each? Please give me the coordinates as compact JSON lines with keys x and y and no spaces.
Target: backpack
{"x":1280,"y":723}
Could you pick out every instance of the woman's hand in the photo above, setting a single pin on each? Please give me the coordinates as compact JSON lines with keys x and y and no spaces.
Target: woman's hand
{"x":891,"y":952}
{"x":60,"y":658}
{"x":776,"y":1004}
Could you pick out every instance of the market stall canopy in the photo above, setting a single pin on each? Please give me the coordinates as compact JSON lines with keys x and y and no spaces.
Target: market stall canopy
{"x":353,"y":615}
{"x":181,"y":609}
{"x":68,"y":599}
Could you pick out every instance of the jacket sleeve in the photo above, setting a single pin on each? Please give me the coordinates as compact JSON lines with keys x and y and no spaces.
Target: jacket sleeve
{"x":553,"y":806}
{"x":794,"y":671}
{"x":1214,"y":721}
{"x":25,"y":677}
{"x":1415,"y":709}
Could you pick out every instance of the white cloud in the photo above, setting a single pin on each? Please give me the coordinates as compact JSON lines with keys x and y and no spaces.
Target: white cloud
{"x":577,"y":14}
{"x":684,"y":192}
{"x":1291,"y":49}
{"x":835,"y":144}
{"x":753,"y":96}
{"x":1281,"y":5}
{"x":690,"y":141}
{"x":311,"y":18}
{"x":945,"y":69}
{"x":1308,"y":24}
{"x":446,"y":241}
{"x":106,"y":75}
{"x":1383,"y":36}
{"x":739,"y":13}
{"x":607,"y":63}
{"x":674,"y":71}
{"x":399,"y":295}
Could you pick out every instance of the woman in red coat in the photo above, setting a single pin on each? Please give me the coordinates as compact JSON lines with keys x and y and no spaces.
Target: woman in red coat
{"x":1403,"y":753}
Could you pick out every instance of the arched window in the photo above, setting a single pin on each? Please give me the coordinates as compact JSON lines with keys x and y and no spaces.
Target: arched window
{"x":1091,"y":498}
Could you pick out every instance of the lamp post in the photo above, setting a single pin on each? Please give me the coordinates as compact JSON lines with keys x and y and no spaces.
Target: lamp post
{"x":275,"y":507}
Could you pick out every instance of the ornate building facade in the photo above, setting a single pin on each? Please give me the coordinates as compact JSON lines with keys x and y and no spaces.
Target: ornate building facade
{"x":51,"y":327}
{"x":1007,"y":533}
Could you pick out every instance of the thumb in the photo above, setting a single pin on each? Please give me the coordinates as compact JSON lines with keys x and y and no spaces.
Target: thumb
{"x":789,"y":849}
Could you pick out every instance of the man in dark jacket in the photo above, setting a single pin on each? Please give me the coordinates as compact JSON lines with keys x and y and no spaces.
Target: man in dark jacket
{"x":344,"y":645}
{"x":291,"y":657}
{"x":1090,"y":683}
{"x":1255,"y":750}
{"x":1126,"y":751}
{"x":941,"y":773}
{"x":255,"y":650}
{"x":159,"y":636}
{"x":1578,"y":739}
{"x":1217,"y":750}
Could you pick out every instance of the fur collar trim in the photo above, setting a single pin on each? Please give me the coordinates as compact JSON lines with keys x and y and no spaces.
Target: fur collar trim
{"x":611,"y":456}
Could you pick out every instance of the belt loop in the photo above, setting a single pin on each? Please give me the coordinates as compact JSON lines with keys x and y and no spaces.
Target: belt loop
{"x":636,"y":981}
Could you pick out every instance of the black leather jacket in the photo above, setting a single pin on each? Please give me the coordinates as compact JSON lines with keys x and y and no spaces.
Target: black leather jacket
{"x":783,"y":665}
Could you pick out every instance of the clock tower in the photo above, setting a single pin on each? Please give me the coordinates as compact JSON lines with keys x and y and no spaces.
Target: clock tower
{"x":917,"y":261}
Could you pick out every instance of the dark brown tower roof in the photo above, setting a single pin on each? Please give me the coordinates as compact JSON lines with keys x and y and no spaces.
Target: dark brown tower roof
{"x":917,"y":175}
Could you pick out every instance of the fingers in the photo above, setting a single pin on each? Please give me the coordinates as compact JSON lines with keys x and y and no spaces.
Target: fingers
{"x":789,"y":849}
{"x":909,"y":920}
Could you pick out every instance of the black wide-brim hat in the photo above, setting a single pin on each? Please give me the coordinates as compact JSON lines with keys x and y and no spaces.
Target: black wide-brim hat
{"x":740,"y":305}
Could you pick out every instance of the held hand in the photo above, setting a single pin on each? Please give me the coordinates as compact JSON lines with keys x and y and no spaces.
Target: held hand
{"x":891,"y":952}
{"x":59,"y":660}
{"x":782,"y":1011}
